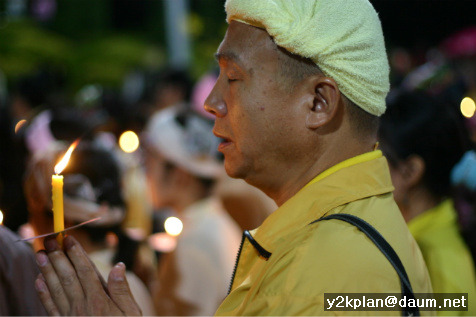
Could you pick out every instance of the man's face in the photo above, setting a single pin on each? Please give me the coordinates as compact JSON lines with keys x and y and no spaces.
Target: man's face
{"x":255,"y":113}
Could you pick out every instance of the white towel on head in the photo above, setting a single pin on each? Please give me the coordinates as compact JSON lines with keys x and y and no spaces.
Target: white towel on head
{"x":343,"y":37}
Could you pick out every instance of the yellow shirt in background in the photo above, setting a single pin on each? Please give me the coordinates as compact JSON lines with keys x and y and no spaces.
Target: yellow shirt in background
{"x":330,"y":256}
{"x":446,"y":255}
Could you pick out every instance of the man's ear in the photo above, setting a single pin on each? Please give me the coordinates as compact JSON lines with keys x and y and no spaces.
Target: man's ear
{"x":323,"y":105}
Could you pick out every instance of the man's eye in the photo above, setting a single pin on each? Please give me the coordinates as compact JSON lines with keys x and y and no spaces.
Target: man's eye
{"x":232,"y":80}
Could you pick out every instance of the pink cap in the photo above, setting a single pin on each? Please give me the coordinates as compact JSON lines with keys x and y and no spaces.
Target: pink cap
{"x":200,"y":93}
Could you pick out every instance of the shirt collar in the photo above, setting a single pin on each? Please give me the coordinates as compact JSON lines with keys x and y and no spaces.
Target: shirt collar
{"x":359,"y":177}
{"x":433,"y":219}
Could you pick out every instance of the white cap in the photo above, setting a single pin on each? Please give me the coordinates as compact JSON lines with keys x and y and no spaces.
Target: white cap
{"x":185,"y":139}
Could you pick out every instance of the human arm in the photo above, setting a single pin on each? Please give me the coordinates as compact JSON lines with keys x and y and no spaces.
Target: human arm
{"x":17,"y":274}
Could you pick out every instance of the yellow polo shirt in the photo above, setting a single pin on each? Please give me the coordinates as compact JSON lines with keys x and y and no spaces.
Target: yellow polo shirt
{"x":446,"y":255}
{"x":332,"y":256}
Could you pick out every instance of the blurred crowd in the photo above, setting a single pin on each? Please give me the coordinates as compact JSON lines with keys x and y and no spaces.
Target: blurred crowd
{"x":146,"y":165}
{"x":427,"y":135}
{"x":166,"y":207}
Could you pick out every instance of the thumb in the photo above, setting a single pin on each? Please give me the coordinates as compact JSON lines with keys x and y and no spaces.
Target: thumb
{"x":120,"y":292}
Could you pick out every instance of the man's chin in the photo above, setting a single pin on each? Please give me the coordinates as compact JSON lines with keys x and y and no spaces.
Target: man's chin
{"x":232,"y":173}
{"x":233,"y":170}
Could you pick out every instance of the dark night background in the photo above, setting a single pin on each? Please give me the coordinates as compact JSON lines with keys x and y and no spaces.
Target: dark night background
{"x":405,"y":22}
{"x":87,"y":26}
{"x":423,"y":22}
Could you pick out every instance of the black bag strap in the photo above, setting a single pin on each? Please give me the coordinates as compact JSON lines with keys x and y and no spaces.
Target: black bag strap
{"x":386,"y":249}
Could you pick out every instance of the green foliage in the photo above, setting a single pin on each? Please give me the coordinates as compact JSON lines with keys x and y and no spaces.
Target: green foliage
{"x":24,"y":46}
{"x":108,"y":60}
{"x":86,"y":43}
{"x":82,"y":19}
{"x":207,"y":27}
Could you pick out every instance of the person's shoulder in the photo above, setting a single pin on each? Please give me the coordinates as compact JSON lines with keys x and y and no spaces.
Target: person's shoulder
{"x":333,"y":255}
{"x":442,"y":238}
{"x":332,"y":259}
{"x":7,"y":235}
{"x":339,"y":245}
{"x":12,"y":245}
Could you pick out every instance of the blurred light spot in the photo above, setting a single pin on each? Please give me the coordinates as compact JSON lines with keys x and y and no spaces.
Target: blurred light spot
{"x":89,"y":95}
{"x":173,"y":226}
{"x":162,"y":242}
{"x":129,"y":141}
{"x":468,"y":107}
{"x":19,"y":125}
{"x":26,"y":231}
{"x":1,"y":217}
{"x":136,"y":234}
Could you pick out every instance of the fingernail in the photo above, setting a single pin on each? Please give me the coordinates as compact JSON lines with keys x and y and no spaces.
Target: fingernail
{"x":40,"y":285}
{"x":41,"y":259}
{"x":51,"y":244}
{"x":69,"y":242}
{"x":118,"y":274}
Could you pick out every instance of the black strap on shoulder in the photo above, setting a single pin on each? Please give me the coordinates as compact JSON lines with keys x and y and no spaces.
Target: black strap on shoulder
{"x":262,"y":251}
{"x":386,"y":249}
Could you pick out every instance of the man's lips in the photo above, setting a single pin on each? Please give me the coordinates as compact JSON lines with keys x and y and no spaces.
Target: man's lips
{"x":225,"y":141}
{"x":223,"y":145}
{"x":222,"y":136}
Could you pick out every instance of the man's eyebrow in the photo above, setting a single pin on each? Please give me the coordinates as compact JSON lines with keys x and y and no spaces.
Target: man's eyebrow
{"x":227,"y":56}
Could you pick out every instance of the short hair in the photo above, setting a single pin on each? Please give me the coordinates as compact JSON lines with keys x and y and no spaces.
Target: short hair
{"x":294,"y":68}
{"x":417,"y":123}
{"x":101,"y":168}
{"x":362,"y":122}
{"x":175,"y":77}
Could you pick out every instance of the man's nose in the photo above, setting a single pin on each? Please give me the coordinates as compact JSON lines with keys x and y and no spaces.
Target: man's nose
{"x":214,"y":103}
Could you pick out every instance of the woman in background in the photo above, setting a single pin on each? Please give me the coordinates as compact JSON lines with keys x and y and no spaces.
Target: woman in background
{"x":423,"y":140}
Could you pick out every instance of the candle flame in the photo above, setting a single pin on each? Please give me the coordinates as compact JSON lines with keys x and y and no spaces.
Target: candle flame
{"x":19,"y":125}
{"x":64,"y":161}
{"x":1,"y":217}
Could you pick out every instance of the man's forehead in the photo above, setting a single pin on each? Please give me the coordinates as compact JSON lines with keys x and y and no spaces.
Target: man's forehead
{"x":242,"y":40}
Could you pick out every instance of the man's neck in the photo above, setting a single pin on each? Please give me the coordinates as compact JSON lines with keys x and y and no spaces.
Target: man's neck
{"x":289,"y":181}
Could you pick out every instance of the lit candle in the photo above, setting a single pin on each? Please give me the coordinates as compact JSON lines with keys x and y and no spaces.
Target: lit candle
{"x":58,"y":212}
{"x":57,"y":190}
{"x":1,"y":217}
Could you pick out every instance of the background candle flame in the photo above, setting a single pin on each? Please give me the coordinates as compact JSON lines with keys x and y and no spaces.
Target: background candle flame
{"x":19,"y":125}
{"x":64,"y":161}
{"x":173,"y":226}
